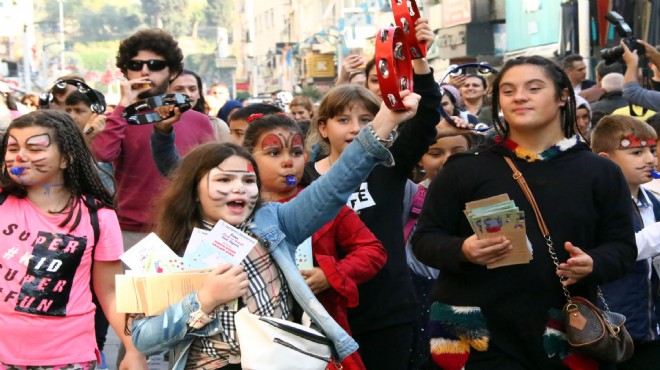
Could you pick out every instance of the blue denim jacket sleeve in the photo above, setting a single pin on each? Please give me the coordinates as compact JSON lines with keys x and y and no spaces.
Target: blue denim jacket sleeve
{"x":320,"y":202}
{"x":164,"y":151}
{"x":159,"y":333}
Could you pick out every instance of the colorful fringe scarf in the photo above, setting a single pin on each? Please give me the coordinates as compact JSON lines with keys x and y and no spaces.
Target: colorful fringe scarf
{"x":529,"y":156}
{"x":453,"y":331}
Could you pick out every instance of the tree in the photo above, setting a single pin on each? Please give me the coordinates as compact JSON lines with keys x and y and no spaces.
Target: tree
{"x":108,"y":23}
{"x":167,"y":14}
{"x":218,"y":12}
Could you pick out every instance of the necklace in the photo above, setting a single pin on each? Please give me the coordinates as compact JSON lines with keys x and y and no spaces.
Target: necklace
{"x":522,"y":153}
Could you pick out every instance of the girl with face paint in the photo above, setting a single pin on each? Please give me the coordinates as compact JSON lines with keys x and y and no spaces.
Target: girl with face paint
{"x":277,"y":146}
{"x":222,"y":182}
{"x":51,"y":202}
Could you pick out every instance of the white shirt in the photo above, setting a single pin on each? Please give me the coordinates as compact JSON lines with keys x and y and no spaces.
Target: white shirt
{"x":647,"y":239}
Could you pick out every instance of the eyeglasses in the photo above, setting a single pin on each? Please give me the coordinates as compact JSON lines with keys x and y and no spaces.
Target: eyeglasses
{"x":153,"y":65}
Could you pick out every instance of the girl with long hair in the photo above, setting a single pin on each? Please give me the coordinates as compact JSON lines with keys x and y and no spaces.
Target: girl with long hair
{"x":509,"y":317}
{"x":221,"y":182}
{"x":60,"y":240}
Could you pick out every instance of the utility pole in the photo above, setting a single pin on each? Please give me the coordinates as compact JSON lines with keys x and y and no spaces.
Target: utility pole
{"x":584,"y":33}
{"x":28,"y":39}
{"x":249,"y":14}
{"x":62,"y":68}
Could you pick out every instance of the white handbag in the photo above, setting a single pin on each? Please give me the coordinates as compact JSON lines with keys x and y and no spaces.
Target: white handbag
{"x":273,"y":344}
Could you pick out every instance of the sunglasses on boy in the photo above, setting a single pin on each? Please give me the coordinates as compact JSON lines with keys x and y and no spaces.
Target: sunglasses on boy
{"x":154,"y":65}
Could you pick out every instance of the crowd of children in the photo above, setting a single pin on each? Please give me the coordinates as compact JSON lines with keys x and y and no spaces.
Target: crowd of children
{"x":399,"y":278}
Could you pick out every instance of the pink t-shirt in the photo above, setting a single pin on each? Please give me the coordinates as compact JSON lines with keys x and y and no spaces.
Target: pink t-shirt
{"x":46,"y":309}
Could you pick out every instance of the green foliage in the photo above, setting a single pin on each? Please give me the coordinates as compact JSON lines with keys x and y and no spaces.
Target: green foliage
{"x":167,"y":14}
{"x":108,"y":23}
{"x":87,"y":20}
{"x":218,"y":12}
{"x":94,"y":28}
{"x":312,"y":92}
{"x":97,"y":55}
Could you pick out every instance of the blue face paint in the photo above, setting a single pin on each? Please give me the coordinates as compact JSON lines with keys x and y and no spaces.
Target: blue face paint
{"x":655,"y":174}
{"x":290,"y":180}
{"x":17,"y":171}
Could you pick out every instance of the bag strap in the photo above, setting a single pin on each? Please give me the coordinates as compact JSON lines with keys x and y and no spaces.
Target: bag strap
{"x":90,"y":203}
{"x":517,"y":175}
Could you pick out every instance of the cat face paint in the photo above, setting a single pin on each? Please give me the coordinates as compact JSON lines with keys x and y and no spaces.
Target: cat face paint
{"x":31,"y":159}
{"x":229,"y":192}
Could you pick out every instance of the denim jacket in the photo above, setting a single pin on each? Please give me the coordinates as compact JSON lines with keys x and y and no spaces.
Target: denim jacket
{"x":280,"y":227}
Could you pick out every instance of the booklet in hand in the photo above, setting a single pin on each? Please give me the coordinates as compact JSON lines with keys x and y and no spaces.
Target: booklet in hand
{"x":499,"y":216}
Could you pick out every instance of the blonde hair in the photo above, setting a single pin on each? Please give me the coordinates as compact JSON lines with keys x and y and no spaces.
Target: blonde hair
{"x":606,"y":136}
{"x":333,"y":104}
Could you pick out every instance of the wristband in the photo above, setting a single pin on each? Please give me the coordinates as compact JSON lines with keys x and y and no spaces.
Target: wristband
{"x":386,"y":142}
{"x":406,"y":14}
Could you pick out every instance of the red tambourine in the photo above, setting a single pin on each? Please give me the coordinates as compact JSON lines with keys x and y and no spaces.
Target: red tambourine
{"x":405,"y":16}
{"x":394,"y":66}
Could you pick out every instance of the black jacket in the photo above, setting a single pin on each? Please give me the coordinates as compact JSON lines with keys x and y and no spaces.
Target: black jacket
{"x":583,"y":198}
{"x":609,"y":102}
{"x":389,"y":298}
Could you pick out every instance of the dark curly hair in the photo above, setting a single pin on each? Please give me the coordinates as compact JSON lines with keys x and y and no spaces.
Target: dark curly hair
{"x":81,"y":175}
{"x":156,"y":41}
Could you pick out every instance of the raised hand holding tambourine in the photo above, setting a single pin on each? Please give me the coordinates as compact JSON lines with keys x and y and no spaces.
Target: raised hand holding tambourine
{"x":406,"y":15}
{"x":396,"y":47}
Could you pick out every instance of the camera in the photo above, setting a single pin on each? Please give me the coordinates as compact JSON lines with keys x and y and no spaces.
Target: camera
{"x":613,"y":54}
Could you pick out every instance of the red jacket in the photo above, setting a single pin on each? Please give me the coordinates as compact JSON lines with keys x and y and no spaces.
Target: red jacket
{"x":348,"y":254}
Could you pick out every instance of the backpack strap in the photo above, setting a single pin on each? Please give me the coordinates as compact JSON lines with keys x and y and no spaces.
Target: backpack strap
{"x":90,"y":203}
